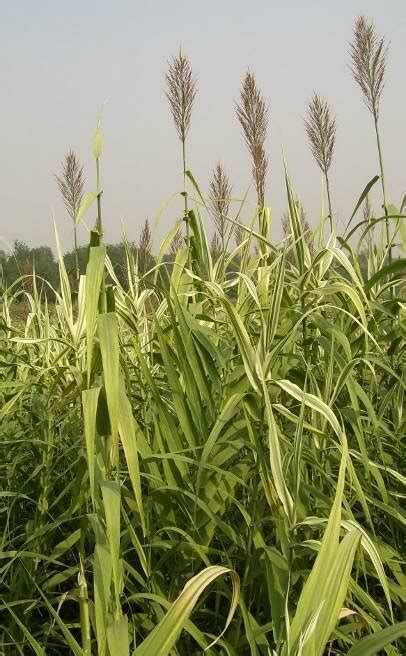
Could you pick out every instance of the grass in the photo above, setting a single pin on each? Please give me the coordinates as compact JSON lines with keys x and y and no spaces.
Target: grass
{"x":208,"y":457}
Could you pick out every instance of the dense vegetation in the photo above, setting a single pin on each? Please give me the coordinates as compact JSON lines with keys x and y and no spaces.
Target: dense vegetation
{"x":17,"y":266}
{"x":215,"y":444}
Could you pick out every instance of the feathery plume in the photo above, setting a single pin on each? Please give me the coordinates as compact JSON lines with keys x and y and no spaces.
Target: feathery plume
{"x":367,"y":211}
{"x":369,"y":54}
{"x":71,"y":183}
{"x":144,"y":248}
{"x":215,"y":247}
{"x":368,"y":62}
{"x":181,"y":93}
{"x":252,"y":113}
{"x":321,"y":131}
{"x":177,"y":243}
{"x":219,"y":200}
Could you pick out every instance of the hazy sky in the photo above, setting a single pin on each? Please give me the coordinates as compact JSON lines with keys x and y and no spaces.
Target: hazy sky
{"x":61,"y":60}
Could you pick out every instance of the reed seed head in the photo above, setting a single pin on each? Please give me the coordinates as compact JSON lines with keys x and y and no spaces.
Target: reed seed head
{"x":368,"y":53}
{"x":219,"y":199}
{"x":177,"y":243}
{"x":367,"y":211}
{"x":144,"y":247}
{"x":252,"y":113}
{"x":181,"y":93}
{"x":238,"y":235}
{"x":215,"y":247}
{"x":71,"y":183}
{"x":320,"y":126}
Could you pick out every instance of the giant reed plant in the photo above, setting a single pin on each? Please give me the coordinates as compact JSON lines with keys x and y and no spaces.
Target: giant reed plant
{"x":252,"y":114}
{"x":152,"y":429}
{"x":71,"y":183}
{"x":181,"y":93}
{"x":219,"y":202}
{"x":321,"y":131}
{"x":369,"y":53}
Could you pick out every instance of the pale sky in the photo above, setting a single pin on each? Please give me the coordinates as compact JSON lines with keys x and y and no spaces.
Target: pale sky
{"x":60,"y":61}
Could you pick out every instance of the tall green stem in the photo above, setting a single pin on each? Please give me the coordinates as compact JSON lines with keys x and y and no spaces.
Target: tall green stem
{"x":98,"y":191}
{"x":75,"y":239}
{"x":84,"y":611}
{"x":385,"y":207}
{"x":99,"y":228}
{"x":330,"y":208}
{"x":186,"y":218}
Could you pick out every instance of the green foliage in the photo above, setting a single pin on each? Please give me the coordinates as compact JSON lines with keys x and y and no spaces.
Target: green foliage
{"x":204,"y":455}
{"x":241,"y":421}
{"x":17,"y":268}
{"x":24,"y":260}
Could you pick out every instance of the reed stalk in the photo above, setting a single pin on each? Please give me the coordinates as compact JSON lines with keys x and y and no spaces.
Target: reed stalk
{"x":369,"y":53}
{"x":181,"y":93}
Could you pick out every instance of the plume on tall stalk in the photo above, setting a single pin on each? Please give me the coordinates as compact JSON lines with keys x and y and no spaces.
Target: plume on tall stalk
{"x":219,"y":199}
{"x":181,"y":93}
{"x":215,"y":248}
{"x":369,"y":53}
{"x":321,"y":131}
{"x":252,"y":113}
{"x":144,"y":248}
{"x":71,"y":183}
{"x":176,"y":244}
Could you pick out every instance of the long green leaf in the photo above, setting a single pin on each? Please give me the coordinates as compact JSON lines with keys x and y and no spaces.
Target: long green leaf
{"x":164,"y":637}
{"x":111,"y":501}
{"x":94,"y":276}
{"x":107,"y":328}
{"x":372,"y":644}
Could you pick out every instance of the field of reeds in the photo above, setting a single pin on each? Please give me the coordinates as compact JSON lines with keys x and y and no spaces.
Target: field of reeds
{"x":206,"y":456}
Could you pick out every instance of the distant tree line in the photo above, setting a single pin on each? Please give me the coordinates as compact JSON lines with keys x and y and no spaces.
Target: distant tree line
{"x":24,"y":261}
